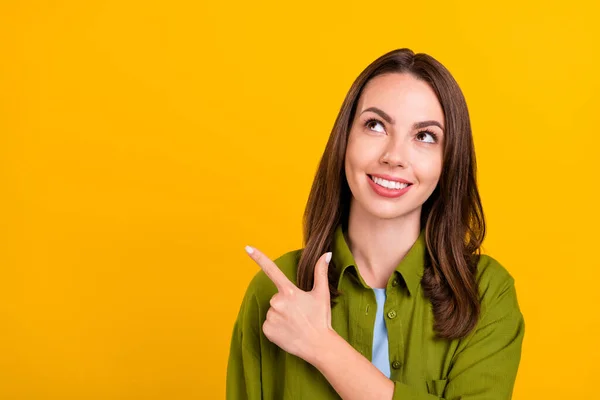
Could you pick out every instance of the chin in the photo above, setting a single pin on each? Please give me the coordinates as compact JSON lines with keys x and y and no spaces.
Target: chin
{"x":387,"y":211}
{"x":392,"y":214}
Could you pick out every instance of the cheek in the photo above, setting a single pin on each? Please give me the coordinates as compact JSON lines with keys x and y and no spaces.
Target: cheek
{"x":429,"y":171}
{"x":355,"y":165}
{"x":353,"y":157}
{"x":361,"y":155}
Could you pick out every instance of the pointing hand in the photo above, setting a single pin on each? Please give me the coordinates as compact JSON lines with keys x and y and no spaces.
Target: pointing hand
{"x":299,"y":322}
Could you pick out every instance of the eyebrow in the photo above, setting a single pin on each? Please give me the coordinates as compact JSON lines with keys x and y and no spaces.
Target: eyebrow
{"x":390,"y":120}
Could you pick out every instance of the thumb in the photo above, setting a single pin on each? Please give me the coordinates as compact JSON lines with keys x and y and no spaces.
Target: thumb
{"x":321,"y":284}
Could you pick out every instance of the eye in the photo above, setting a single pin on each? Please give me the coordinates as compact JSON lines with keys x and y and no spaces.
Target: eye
{"x":370,"y":121}
{"x":433,"y":136}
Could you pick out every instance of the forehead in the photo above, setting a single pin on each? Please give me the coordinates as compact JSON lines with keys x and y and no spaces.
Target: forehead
{"x":403,"y":96}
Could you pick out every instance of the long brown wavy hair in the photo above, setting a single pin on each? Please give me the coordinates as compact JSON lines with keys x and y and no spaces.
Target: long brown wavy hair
{"x":452,"y":215}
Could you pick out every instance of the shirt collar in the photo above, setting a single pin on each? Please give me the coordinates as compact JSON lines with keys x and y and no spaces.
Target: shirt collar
{"x":411,"y":267}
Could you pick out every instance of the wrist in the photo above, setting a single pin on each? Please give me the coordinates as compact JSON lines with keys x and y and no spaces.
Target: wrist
{"x":328,"y":346}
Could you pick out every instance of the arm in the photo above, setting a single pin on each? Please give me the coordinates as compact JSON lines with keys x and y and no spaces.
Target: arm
{"x":243,"y":366}
{"x":356,"y":378}
{"x":484,"y":368}
{"x":350,"y":373}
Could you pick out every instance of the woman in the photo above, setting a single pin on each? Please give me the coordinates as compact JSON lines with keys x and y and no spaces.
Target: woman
{"x":407,"y":308}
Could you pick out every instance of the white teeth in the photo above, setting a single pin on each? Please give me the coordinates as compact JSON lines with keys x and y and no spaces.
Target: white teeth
{"x":389,"y":184}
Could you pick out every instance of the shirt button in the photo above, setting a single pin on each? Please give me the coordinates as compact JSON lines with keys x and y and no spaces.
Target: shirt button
{"x":395,"y":282}
{"x":391,"y":314}
{"x":396,"y":364}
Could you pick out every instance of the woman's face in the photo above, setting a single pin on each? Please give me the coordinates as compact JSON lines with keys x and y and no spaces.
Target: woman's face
{"x":392,"y":139}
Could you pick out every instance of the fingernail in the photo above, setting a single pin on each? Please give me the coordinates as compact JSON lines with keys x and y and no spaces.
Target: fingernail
{"x":328,"y":257}
{"x":249,"y":250}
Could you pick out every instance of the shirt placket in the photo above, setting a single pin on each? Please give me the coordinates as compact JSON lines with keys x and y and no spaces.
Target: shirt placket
{"x":362,"y":309}
{"x":394,"y":326}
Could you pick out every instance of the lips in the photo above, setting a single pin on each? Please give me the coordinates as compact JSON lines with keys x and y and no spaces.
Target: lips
{"x":389,"y":178}
{"x":399,"y":180}
{"x":385,"y":192}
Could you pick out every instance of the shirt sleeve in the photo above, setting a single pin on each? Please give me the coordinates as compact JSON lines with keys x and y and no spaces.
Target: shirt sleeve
{"x":243,"y":367}
{"x":485,"y":368}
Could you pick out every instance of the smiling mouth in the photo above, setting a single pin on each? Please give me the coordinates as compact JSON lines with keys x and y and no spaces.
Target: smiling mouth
{"x":392,"y":185}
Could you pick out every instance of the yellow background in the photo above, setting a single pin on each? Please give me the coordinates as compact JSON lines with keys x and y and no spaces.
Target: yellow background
{"x":144,"y":143}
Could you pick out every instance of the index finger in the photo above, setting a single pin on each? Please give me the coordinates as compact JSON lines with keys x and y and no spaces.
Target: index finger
{"x":271,"y":269}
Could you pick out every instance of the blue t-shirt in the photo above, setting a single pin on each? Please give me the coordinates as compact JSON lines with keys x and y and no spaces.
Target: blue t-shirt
{"x":381,"y":358}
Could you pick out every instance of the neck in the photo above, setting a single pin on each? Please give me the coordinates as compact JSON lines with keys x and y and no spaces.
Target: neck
{"x":378,"y":245}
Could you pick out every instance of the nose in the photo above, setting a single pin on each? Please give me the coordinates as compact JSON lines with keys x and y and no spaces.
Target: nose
{"x":394,"y":153}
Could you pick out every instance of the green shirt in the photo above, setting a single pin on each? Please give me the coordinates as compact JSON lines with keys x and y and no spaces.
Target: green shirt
{"x":481,"y":366}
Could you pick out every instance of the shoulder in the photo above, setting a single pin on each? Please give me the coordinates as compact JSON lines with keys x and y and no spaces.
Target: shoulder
{"x":491,"y":274}
{"x":496,"y":284}
{"x":501,"y":326}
